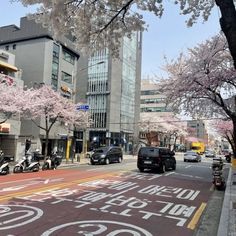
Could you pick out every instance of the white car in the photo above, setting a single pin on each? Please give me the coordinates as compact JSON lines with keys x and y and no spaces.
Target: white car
{"x":210,"y":153}
{"x":192,"y":156}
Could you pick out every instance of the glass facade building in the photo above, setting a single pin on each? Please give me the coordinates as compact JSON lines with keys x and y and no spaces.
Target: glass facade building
{"x":112,"y":94}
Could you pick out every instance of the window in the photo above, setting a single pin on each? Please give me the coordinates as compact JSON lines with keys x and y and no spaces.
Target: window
{"x":66,"y":77}
{"x":14,"y":46}
{"x":67,"y":56}
{"x":7,"y":48}
{"x":55,"y":66}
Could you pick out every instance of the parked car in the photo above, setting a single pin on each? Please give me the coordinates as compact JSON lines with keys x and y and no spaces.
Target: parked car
{"x":156,"y":158}
{"x":210,"y":153}
{"x":106,"y":155}
{"x":192,"y":156}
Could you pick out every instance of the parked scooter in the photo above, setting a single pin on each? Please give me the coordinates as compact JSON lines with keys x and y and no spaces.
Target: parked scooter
{"x":228,"y":157}
{"x":4,"y":163}
{"x":218,"y":179}
{"x":52,"y":162}
{"x":27,"y":163}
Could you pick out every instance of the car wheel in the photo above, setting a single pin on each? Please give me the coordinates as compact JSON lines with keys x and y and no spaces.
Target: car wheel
{"x":107,"y":162}
{"x":163,"y":168}
{"x":141,"y":169}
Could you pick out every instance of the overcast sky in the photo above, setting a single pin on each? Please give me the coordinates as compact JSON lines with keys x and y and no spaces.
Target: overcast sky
{"x":166,"y":36}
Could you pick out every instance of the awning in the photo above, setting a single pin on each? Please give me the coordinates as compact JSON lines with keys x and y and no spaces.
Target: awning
{"x":9,"y":66}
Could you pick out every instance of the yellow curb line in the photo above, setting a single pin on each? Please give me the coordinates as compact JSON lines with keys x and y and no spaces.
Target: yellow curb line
{"x":192,"y":224}
{"x":61,"y":185}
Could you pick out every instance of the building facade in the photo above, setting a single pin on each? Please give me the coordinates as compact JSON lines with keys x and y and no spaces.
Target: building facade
{"x":152,"y":109}
{"x":197,"y":129}
{"x":10,"y":142}
{"x":43,"y":61}
{"x":113,"y":94}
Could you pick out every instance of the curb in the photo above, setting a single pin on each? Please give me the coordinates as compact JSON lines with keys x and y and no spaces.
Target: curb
{"x":227,"y":217}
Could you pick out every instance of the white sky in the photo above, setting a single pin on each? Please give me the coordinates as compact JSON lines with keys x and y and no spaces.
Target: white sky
{"x":166,"y":36}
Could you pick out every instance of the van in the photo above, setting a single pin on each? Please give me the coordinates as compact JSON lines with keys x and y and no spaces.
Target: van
{"x":156,"y":158}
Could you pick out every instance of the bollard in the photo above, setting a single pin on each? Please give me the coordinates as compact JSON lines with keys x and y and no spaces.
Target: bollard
{"x":233,"y":162}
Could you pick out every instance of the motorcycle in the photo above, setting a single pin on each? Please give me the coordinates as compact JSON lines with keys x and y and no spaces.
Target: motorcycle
{"x":4,"y":163}
{"x":218,"y":179}
{"x":27,"y":163}
{"x":228,"y":157}
{"x":52,"y":162}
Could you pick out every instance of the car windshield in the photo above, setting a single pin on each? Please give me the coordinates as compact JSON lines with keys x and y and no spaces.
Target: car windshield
{"x":101,"y":150}
{"x":191,"y":153}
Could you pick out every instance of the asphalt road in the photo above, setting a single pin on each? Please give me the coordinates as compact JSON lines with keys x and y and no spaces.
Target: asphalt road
{"x":109,"y":200}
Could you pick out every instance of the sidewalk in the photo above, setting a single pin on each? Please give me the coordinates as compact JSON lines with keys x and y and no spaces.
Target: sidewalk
{"x":84,"y":161}
{"x":227,"y":225}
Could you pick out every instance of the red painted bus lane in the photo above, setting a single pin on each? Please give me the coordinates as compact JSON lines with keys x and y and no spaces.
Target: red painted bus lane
{"x":124,"y":203}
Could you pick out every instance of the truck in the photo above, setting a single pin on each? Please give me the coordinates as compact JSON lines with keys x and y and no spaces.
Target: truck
{"x":198,"y":147}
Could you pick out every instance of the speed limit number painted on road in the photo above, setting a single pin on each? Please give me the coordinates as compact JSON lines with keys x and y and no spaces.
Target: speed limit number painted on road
{"x":97,"y":227}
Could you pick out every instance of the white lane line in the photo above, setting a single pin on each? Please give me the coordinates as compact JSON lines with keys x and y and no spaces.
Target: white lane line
{"x":15,"y":181}
{"x":190,"y":176}
{"x":170,"y":173}
{"x":188,"y":166}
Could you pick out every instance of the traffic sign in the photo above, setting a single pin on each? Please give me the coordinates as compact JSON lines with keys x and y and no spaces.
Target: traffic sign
{"x":83,"y":107}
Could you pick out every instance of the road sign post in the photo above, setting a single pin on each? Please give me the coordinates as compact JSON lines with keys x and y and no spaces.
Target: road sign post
{"x":83,"y":107}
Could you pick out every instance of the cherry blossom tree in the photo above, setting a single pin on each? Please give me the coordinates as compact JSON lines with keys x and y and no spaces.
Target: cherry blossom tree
{"x":167,"y":126}
{"x":12,"y":101}
{"x":225,"y":129}
{"x":49,"y":105}
{"x":203,"y":84}
{"x":102,"y":23}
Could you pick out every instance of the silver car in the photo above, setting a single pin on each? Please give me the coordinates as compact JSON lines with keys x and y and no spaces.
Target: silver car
{"x":192,"y":156}
{"x":210,"y":153}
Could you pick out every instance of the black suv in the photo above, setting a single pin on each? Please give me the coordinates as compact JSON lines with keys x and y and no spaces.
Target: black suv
{"x":106,"y":155}
{"x":156,"y":158}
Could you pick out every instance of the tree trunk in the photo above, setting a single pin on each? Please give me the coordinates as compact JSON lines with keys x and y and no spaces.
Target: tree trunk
{"x":228,"y":24}
{"x":233,"y":145}
{"x":46,"y":143}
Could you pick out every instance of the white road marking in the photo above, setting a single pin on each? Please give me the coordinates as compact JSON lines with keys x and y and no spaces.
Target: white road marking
{"x":188,"y":166}
{"x":170,"y":173}
{"x":16,"y":181}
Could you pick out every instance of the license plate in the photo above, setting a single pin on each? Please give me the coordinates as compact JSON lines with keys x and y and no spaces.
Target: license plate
{"x":147,"y":162}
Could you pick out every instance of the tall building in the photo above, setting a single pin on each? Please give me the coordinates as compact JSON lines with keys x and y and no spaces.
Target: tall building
{"x":10,"y":142}
{"x":43,"y":60}
{"x":113,"y":94}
